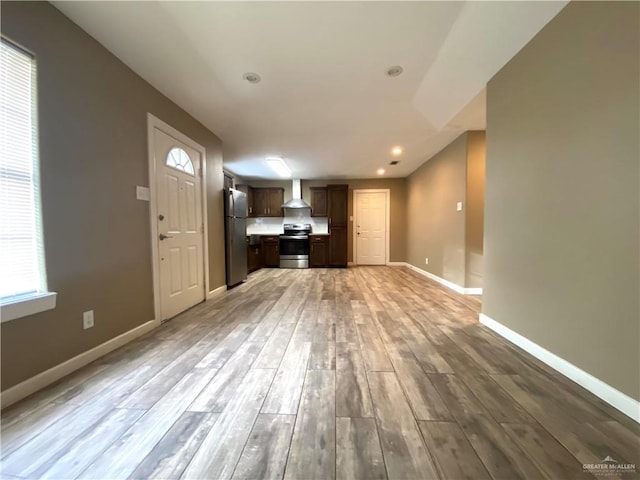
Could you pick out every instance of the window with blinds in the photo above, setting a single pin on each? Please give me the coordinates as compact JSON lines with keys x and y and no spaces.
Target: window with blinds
{"x":22,"y":272}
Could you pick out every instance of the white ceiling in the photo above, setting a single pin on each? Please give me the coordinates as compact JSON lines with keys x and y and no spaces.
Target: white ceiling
{"x":324,"y":103}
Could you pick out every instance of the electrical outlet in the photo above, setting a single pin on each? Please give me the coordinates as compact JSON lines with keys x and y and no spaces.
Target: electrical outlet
{"x":87,"y":319}
{"x":426,"y":261}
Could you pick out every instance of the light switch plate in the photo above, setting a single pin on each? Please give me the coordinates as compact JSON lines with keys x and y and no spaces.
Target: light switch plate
{"x":459,"y":206}
{"x":142,"y":193}
{"x":87,"y":319}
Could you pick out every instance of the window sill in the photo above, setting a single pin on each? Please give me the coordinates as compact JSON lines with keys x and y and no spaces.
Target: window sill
{"x":27,"y":306}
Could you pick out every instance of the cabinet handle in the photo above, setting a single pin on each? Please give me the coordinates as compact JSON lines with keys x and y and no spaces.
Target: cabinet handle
{"x":329,"y":220}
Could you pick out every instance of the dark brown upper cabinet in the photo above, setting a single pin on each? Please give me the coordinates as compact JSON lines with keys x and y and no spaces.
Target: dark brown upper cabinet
{"x":228,"y":181}
{"x":275,"y":201}
{"x":267,"y":202}
{"x":250,"y":204}
{"x":319,"y":202}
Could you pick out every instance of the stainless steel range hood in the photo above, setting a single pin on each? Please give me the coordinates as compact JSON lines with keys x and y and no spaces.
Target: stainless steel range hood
{"x":296,"y":200}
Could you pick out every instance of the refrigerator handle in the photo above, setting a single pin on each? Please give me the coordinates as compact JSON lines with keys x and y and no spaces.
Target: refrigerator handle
{"x":232,"y":203}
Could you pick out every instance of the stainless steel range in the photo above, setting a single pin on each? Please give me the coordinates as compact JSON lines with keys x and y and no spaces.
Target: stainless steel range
{"x":294,"y":245}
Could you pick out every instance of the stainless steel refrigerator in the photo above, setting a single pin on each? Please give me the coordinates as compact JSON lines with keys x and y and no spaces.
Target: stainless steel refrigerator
{"x":235,"y":226}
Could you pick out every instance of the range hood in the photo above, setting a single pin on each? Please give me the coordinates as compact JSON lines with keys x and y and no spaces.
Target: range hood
{"x":296,"y":200}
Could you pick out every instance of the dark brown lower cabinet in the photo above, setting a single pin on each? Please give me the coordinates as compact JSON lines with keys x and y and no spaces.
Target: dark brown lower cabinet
{"x":271,"y":251}
{"x":338,"y":247}
{"x":254,"y":258}
{"x":318,"y":251}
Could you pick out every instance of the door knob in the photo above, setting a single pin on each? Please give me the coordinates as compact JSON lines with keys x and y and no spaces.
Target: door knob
{"x":162,"y":236}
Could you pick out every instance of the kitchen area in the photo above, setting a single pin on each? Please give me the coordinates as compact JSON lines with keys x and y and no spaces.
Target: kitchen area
{"x":263,"y":230}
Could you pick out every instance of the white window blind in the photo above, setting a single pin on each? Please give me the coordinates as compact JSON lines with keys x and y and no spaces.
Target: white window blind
{"x":22,"y":270}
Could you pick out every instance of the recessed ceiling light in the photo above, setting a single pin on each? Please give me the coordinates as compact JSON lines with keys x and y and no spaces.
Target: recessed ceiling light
{"x":395,"y":151}
{"x":394,"y":71}
{"x":252,"y":77}
{"x":381,"y":171}
{"x":278,"y":166}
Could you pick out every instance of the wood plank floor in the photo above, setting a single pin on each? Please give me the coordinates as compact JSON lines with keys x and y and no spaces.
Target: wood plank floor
{"x":359,"y":373}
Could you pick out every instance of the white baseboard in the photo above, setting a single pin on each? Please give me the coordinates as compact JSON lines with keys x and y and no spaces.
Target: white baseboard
{"x":216,"y":291}
{"x":453,"y":286}
{"x":397,"y":264}
{"x":41,"y":380}
{"x":621,"y":401}
{"x":473,"y":291}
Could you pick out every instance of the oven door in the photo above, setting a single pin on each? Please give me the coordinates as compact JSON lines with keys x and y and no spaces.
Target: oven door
{"x":294,"y":251}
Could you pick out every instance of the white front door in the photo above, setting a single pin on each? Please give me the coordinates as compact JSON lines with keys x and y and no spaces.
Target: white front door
{"x":370,"y":227}
{"x":179,"y":224}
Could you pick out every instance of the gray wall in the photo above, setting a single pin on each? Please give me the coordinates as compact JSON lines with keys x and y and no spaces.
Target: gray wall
{"x":474,"y":209}
{"x":561,"y":231}
{"x":434,"y":228}
{"x":93,"y":150}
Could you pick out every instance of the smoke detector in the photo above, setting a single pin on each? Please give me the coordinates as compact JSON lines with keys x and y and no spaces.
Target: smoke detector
{"x":252,"y":77}
{"x":394,"y":71}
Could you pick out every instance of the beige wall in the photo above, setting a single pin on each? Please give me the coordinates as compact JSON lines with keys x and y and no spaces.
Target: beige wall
{"x":452,"y":240}
{"x":562,"y":215}
{"x":474,"y":208}
{"x":398,"y":213}
{"x":434,"y":228}
{"x":93,"y":149}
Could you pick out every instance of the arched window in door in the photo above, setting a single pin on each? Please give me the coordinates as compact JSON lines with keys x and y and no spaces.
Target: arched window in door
{"x":180,"y":160}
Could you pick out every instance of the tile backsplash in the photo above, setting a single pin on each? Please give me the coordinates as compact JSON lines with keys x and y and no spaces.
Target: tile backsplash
{"x":273,"y":226}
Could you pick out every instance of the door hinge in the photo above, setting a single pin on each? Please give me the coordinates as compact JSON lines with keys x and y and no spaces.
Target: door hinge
{"x":200,"y":172}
